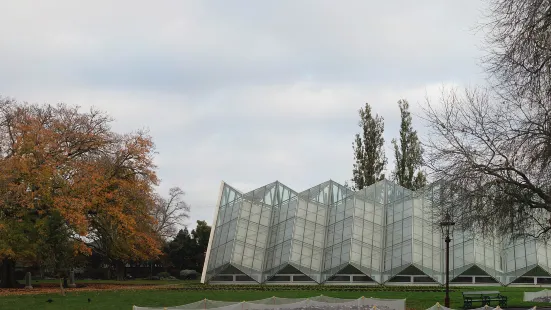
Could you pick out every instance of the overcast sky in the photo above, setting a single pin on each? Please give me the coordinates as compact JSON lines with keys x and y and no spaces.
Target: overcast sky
{"x":248,"y":92}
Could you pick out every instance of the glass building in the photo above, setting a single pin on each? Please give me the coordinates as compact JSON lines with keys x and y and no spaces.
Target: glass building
{"x":331,"y":234}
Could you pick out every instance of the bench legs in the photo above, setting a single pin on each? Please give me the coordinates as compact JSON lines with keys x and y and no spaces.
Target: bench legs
{"x":503,"y":302}
{"x":467,"y":303}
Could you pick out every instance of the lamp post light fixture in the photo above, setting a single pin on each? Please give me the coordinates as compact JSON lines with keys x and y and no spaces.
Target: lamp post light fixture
{"x":447,"y":229}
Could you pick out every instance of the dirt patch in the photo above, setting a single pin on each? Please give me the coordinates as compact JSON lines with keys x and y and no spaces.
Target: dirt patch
{"x":53,"y":288}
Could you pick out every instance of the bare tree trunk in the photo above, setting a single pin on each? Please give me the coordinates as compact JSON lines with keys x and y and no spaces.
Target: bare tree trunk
{"x":7,"y":274}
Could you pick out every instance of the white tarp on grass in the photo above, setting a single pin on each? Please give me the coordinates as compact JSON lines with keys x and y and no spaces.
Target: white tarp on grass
{"x":440,"y":307}
{"x":314,"y":303}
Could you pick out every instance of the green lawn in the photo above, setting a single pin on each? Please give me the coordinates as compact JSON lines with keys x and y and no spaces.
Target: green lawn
{"x":125,"y":299}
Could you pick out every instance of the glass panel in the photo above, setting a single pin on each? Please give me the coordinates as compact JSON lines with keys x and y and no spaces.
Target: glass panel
{"x":350,"y":228}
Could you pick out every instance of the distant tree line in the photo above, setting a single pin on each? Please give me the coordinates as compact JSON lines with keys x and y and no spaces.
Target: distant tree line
{"x":187,"y":250}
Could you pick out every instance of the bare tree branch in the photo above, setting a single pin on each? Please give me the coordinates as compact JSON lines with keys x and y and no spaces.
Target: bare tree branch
{"x":493,"y":166}
{"x":170,"y":212}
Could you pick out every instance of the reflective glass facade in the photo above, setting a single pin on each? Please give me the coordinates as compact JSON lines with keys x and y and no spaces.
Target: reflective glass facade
{"x":331,"y":234}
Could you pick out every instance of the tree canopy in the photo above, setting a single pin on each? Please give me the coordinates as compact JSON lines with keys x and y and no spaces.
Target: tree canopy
{"x":65,"y":176}
{"x":368,"y":147}
{"x":491,"y":146}
{"x":408,"y":153}
{"x":187,"y":250}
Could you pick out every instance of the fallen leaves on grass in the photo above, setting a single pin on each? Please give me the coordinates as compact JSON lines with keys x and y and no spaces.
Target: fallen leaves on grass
{"x":53,"y":289}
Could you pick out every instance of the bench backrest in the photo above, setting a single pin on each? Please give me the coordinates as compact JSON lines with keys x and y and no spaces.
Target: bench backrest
{"x":478,"y":293}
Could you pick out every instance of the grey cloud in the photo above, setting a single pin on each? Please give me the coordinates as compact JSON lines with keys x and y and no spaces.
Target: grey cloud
{"x":246,"y":92}
{"x":359,"y":44}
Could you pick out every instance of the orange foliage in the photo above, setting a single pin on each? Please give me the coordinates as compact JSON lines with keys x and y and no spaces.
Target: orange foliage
{"x":59,"y":160}
{"x":123,"y":224}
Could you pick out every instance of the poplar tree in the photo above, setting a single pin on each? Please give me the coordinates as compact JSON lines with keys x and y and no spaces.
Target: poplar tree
{"x":408,"y":153}
{"x":369,"y":156}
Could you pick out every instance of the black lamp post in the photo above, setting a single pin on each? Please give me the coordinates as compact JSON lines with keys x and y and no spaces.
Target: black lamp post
{"x":447,"y":229}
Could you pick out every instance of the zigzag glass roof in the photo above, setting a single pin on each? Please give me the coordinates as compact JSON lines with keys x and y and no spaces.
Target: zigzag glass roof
{"x":382,"y":233}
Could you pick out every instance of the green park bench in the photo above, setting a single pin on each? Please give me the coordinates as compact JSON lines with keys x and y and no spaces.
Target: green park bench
{"x":484,"y":298}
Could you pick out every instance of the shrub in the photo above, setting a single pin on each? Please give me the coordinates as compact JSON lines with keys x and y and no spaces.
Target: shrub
{"x":163,"y":274}
{"x":187,"y":274}
{"x":260,"y":287}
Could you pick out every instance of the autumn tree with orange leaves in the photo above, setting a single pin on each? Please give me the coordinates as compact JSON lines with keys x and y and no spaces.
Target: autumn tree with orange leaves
{"x":122,"y":228}
{"x":61,"y":166}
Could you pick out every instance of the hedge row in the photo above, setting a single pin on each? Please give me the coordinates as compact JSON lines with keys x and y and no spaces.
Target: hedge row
{"x":361,"y":288}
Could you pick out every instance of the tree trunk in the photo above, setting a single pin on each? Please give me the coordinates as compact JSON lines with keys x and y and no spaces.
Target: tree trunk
{"x":41,"y":271}
{"x":120,"y":270}
{"x":7,"y":274}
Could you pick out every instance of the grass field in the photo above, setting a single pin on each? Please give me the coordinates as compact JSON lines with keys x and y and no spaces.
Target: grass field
{"x":124,"y":299}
